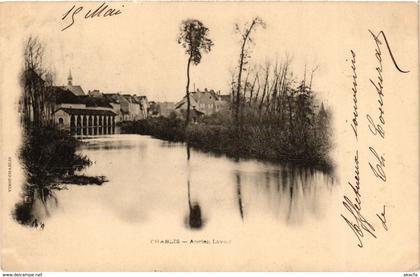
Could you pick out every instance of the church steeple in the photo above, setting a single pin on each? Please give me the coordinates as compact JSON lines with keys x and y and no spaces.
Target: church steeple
{"x":70,"y":79}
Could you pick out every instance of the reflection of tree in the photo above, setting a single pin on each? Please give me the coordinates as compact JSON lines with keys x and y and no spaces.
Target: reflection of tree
{"x":50,"y":162}
{"x":289,"y":190}
{"x":194,"y":218}
{"x":238,"y":190}
{"x":291,"y":193}
{"x":188,"y":152}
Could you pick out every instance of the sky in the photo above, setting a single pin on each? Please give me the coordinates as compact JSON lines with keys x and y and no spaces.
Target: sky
{"x":137,"y":51}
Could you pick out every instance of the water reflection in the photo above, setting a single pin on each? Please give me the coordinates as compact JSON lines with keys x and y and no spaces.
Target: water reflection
{"x":188,"y":152}
{"x":108,"y":145}
{"x":238,"y":186}
{"x":36,"y":205}
{"x":288,"y":192}
{"x":181,"y":187}
{"x":50,"y":163}
{"x":194,"y":217}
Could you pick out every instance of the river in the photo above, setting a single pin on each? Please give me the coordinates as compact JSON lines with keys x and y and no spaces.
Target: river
{"x":161,"y":211}
{"x":152,"y":179}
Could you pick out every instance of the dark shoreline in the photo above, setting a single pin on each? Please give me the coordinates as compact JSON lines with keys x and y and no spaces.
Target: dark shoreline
{"x":51,"y":163}
{"x":208,"y":139}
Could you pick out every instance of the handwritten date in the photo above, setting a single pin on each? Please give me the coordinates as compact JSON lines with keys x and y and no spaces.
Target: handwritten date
{"x":101,"y":11}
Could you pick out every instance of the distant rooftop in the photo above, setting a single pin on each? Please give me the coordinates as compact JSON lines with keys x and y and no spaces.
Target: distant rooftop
{"x":77,"y":90}
{"x":72,"y":111}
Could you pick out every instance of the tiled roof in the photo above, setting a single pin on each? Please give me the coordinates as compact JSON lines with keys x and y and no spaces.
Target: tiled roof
{"x":77,"y":90}
{"x":91,"y":101}
{"x":61,"y":96}
{"x":132,"y":98}
{"x":193,"y":102}
{"x":72,"y":111}
{"x":112,"y":97}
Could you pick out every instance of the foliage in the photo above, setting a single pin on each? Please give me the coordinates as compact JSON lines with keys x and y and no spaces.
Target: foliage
{"x":193,"y":36}
{"x":49,"y":160}
{"x":171,"y":128}
{"x":261,"y":138}
{"x":50,"y":154}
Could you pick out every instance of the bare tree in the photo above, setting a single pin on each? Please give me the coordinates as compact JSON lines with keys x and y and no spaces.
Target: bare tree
{"x":34,"y":55}
{"x":252,"y":88}
{"x":34,"y":89}
{"x":266,"y":82}
{"x":246,"y":38}
{"x":312,"y":76}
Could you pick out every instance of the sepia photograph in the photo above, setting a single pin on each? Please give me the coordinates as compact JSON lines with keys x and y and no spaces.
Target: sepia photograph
{"x":209,"y":136}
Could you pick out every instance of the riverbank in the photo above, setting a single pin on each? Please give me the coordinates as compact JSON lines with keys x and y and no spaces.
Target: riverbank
{"x":251,"y":141}
{"x":50,"y":162}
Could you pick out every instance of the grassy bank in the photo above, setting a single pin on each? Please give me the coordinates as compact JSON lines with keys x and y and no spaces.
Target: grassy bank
{"x":218,"y":135}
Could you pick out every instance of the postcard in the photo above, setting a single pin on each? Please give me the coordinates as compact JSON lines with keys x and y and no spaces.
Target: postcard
{"x":209,"y":136}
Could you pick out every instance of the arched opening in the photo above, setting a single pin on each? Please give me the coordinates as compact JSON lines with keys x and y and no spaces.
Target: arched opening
{"x":105,"y":125}
{"x":60,"y":123}
{"x":72,"y":125}
{"x":84,"y":125}
{"x":79,"y":125}
{"x":90,"y":129}
{"x":95,"y":125}
{"x":100,"y":126}
{"x":109,"y":125}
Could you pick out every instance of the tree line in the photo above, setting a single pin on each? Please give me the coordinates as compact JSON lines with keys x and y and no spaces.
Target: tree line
{"x":48,"y":155}
{"x":268,"y":103}
{"x":37,"y":100}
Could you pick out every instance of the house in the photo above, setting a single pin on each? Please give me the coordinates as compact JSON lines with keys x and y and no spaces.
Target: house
{"x":144,"y":106}
{"x":85,"y":121}
{"x":64,"y":98}
{"x":133,"y":107}
{"x":124,"y":106}
{"x":82,"y":114}
{"x":166,"y":108}
{"x":206,"y":102}
{"x":114,"y":100}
